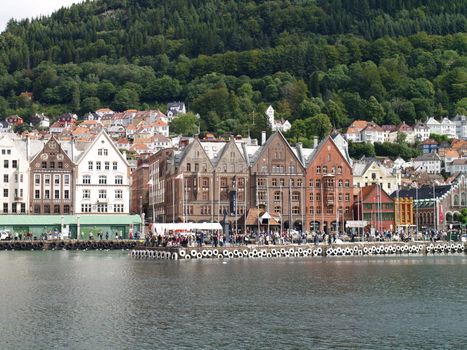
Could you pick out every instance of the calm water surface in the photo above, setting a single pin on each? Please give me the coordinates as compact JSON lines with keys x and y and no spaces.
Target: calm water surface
{"x":106,"y":300}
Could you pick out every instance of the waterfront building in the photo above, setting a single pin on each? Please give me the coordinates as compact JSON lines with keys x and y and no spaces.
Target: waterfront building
{"x":102,"y":178}
{"x":329,"y":188}
{"x":14,"y":174}
{"x":376,"y":207}
{"x":139,"y":187}
{"x":52,"y":180}
{"x":404,"y":213}
{"x":277,"y":175}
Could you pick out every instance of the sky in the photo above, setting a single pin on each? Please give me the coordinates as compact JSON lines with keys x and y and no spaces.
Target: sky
{"x":21,"y":9}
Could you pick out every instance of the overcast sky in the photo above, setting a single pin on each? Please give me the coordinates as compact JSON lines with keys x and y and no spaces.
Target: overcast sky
{"x":20,"y":9}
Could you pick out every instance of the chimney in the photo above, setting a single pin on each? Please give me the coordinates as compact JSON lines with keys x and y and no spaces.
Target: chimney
{"x":315,"y":141}
{"x":263,"y":137}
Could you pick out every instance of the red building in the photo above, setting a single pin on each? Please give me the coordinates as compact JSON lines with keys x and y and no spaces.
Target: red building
{"x":329,"y":188}
{"x":376,"y":207}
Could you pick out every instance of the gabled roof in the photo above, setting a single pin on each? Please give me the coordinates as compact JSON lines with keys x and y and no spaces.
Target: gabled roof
{"x":106,"y":136}
{"x":320,"y":147}
{"x":188,"y":148}
{"x":423,"y":193}
{"x":227,"y":146}
{"x":269,"y":141}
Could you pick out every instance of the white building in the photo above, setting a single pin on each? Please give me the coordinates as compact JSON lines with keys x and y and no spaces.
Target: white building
{"x":372,"y":133}
{"x":445,"y":127}
{"x":422,"y":132}
{"x":277,"y":125}
{"x":369,"y":171}
{"x":14,"y":174}
{"x":102,"y":179}
{"x":427,"y":163}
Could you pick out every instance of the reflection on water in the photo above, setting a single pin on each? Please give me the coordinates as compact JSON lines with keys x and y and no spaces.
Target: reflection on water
{"x":96,"y":300}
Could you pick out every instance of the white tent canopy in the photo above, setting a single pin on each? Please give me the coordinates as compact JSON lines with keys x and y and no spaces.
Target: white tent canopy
{"x":161,"y":229}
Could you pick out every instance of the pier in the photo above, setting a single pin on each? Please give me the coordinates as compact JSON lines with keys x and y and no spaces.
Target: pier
{"x":302,"y":250}
{"x":71,"y":244}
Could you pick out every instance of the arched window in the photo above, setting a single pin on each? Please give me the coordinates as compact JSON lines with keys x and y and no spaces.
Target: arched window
{"x":463,"y":199}
{"x":455,"y":201}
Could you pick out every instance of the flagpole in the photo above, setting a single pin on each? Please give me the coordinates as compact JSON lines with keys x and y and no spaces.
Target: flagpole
{"x":173,"y":200}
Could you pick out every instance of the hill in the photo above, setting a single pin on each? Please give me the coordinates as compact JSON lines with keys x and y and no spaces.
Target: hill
{"x":381,"y":60}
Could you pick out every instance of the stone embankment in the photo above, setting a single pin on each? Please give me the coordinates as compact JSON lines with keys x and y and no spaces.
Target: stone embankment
{"x":68,"y":245}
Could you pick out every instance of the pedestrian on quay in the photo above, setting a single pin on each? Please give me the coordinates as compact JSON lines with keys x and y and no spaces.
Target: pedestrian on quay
{"x":91,"y":236}
{"x":107,"y":235}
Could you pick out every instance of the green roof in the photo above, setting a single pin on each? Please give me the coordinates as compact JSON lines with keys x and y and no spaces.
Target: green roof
{"x":43,"y":220}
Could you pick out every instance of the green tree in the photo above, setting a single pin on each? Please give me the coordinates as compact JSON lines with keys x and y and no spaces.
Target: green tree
{"x":125,"y":99}
{"x":359,"y":149}
{"x":186,"y":124}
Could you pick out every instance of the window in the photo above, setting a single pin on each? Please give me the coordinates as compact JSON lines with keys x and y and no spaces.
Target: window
{"x":102,"y":194}
{"x":196,"y":167}
{"x":347,"y":197}
{"x":90,"y":165}
{"x":282,"y":182}
{"x":60,"y":165}
{"x":102,"y":208}
{"x":37,"y":209}
{"x":274,"y":182}
{"x":311,"y":196}
{"x":295,"y":210}
{"x":66,"y":194}
{"x":188,"y":166}
{"x":86,"y":194}
{"x":5,"y":178}
{"x":299,"y":182}
{"x":295,"y":196}
{"x":14,"y":164}
{"x":44,"y":165}
{"x":261,"y":182}
{"x":115,"y":166}
{"x":46,"y":194}
{"x":5,"y":164}
{"x":118,"y":194}
{"x":86,"y":208}
{"x":37,"y":179}
{"x":57,"y":179}
{"x":118,"y":208}
{"x":86,"y":179}
{"x":57,"y":194}
{"x":23,"y":208}
{"x":347,"y":183}
{"x":106,"y":152}
{"x":21,"y":178}
{"x":277,"y":209}
{"x":5,"y":207}
{"x":340,"y":183}
{"x":277,"y":196}
{"x":37,"y":194}
{"x":56,"y":209}
{"x":66,"y":209}
{"x":318,"y":184}
{"x":339,"y":170}
{"x":52,"y":165}
{"x":107,"y":166}
{"x":102,"y":180}
{"x":16,"y":178}
{"x":325,"y":169}
{"x":99,"y":152}
{"x":118,"y":180}
{"x":329,"y":210}
{"x":66,"y":179}
{"x":46,"y":209}
{"x":5,"y":192}
{"x":47,"y":179}
{"x":98,"y":165}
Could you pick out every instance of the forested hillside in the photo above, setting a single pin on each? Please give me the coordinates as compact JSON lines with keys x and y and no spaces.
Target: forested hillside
{"x":381,"y":60}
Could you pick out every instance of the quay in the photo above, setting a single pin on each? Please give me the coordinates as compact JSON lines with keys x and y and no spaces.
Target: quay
{"x":296,"y":250}
{"x":70,"y":244}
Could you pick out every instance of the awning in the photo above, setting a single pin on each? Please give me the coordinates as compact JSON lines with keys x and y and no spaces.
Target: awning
{"x":161,"y":229}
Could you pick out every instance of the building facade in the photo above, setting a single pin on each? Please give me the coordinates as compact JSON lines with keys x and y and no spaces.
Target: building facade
{"x":329,"y":188}
{"x":376,"y":207}
{"x":51,"y":181}
{"x":102,"y":179}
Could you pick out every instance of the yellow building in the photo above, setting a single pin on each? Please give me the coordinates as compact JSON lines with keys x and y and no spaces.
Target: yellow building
{"x":404,"y":212}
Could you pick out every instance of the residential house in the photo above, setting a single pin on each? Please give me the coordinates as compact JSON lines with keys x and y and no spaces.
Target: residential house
{"x":429,"y":146}
{"x":422,"y":132}
{"x":461,"y":126}
{"x":174,"y":109}
{"x":457,"y":165}
{"x":376,"y":207}
{"x":429,"y":163}
{"x":4,"y":126}
{"x":370,"y":171}
{"x":277,"y":125}
{"x":14,"y":120}
{"x":354,"y":131}
{"x":372,"y":133}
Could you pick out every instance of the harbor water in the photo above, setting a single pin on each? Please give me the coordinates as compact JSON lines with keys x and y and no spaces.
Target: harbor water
{"x":106,"y":300}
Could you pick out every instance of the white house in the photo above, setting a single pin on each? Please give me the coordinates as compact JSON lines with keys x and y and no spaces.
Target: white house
{"x":457,"y":166}
{"x":422,"y":132}
{"x":445,"y":127}
{"x":175,"y":108}
{"x":102,"y":179}
{"x":428,"y":163}
{"x":369,"y":171}
{"x":372,"y":133}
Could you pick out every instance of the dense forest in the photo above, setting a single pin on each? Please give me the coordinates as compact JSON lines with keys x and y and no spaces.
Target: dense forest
{"x":320,"y":63}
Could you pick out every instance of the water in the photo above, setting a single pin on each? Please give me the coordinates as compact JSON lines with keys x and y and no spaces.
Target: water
{"x":106,"y":300}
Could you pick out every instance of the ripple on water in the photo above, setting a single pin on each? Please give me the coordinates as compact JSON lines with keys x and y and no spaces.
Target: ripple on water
{"x":96,"y":300}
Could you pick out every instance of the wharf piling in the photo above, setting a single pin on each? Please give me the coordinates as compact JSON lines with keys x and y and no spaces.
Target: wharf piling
{"x":303,"y":250}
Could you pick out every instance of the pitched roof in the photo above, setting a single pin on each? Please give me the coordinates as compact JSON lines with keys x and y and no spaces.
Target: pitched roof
{"x":424,"y":192}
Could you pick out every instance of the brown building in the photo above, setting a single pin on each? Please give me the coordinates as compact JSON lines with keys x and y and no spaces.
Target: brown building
{"x":51,"y":180}
{"x":139,"y":188}
{"x":276,"y":181}
{"x":329,"y":188}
